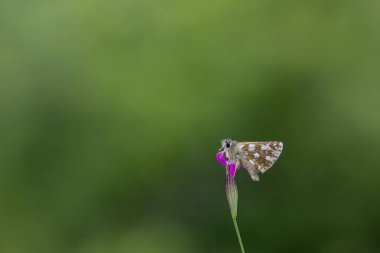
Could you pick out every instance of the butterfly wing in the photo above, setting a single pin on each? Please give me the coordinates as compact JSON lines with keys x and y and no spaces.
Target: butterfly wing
{"x":258,"y":156}
{"x":252,"y":170}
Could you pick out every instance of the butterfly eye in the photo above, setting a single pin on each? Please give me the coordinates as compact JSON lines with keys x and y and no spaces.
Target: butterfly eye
{"x":227,"y":145}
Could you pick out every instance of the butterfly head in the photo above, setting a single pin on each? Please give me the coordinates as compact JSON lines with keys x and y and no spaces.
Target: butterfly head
{"x":226,"y":144}
{"x":225,"y":155}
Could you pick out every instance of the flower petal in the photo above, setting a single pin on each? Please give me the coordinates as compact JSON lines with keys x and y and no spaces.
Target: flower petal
{"x":232,"y":168}
{"x":221,"y":159}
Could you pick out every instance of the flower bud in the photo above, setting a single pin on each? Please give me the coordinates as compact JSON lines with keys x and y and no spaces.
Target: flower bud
{"x":232,"y":194}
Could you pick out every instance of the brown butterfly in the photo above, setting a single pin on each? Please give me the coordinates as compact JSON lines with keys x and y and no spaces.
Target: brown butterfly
{"x":255,"y":157}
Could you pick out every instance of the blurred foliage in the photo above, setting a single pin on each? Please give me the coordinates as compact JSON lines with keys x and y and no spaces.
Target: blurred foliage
{"x":112,"y":111}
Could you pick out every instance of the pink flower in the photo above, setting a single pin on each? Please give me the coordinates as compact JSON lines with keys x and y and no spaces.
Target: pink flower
{"x":222,"y":160}
{"x":231,"y":189}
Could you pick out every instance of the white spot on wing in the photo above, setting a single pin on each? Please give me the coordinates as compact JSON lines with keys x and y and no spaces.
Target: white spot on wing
{"x":256,"y":155}
{"x":251,"y":147}
{"x":265,"y":147}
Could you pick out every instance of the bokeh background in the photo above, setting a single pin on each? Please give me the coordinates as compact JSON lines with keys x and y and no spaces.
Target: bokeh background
{"x":112,"y":112}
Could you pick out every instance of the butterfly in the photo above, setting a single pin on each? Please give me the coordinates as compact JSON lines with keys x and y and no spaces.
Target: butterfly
{"x":255,"y":157}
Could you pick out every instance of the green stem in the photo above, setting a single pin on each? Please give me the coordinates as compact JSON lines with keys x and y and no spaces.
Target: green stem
{"x":238,"y":234}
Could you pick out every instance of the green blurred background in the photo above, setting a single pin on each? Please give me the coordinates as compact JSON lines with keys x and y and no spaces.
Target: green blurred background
{"x":112,"y":112}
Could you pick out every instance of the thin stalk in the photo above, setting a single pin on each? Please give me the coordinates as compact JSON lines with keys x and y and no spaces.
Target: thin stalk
{"x":238,"y":234}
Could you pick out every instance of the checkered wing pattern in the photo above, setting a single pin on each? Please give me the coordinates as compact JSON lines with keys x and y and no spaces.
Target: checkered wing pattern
{"x":258,"y":156}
